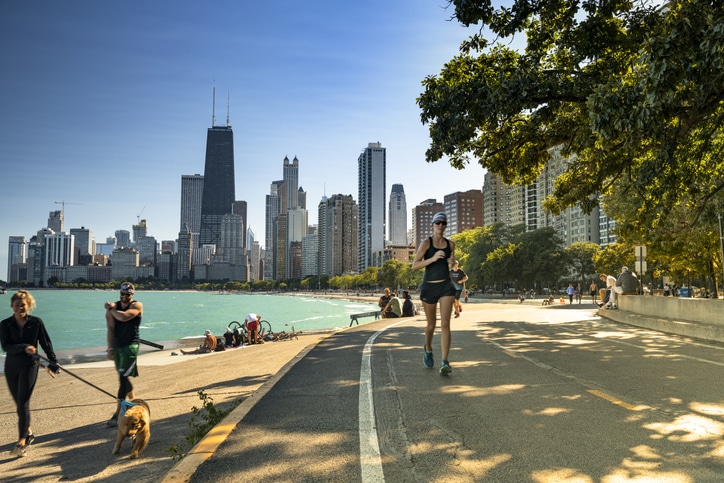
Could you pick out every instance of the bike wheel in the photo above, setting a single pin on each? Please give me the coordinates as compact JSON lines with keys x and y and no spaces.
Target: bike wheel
{"x":265,"y":328}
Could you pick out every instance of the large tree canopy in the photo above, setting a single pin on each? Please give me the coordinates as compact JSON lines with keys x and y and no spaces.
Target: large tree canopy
{"x":635,"y":90}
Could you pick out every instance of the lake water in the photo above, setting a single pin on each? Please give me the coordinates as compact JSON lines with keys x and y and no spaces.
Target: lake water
{"x":75,"y":319}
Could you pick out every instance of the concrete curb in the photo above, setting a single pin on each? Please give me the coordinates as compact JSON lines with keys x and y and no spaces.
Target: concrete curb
{"x":686,"y":328}
{"x":184,"y":469}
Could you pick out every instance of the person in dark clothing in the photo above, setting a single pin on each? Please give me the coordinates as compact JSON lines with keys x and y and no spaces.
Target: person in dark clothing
{"x":123,"y":319}
{"x":20,"y":336}
{"x":437,"y":255}
{"x":408,"y":307}
{"x":384,"y":302}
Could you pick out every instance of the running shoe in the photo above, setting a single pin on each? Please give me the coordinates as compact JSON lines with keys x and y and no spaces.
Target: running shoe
{"x":445,"y":368}
{"x":427,"y":358}
{"x":29,"y":439}
{"x":18,"y":451}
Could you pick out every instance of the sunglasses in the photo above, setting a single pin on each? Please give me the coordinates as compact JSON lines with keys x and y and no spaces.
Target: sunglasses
{"x":443,"y":223}
{"x":126,"y":294}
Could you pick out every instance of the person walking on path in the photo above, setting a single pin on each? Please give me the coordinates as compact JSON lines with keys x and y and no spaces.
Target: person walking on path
{"x":458,"y":277}
{"x":437,"y":256}
{"x":123,"y":319}
{"x":570,"y":291}
{"x":19,"y":337}
{"x":594,"y":291}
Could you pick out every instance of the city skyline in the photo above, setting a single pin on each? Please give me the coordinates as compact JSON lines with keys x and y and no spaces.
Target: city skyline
{"x":104,"y":110}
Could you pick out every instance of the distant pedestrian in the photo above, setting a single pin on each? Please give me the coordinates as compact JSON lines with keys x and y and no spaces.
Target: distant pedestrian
{"x":570,"y":291}
{"x":579,"y":294}
{"x":436,"y":255}
{"x":458,"y":277}
{"x":20,"y":336}
{"x":594,"y":290}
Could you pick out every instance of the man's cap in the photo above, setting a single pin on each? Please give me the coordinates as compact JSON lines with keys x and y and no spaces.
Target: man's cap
{"x":624,"y":269}
{"x":208,"y":332}
{"x":439,"y":217}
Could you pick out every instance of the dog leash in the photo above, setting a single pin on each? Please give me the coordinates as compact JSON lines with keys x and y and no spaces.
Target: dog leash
{"x":73,"y":375}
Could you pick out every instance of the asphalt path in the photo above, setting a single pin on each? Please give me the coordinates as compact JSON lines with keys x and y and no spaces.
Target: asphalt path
{"x":538,"y":394}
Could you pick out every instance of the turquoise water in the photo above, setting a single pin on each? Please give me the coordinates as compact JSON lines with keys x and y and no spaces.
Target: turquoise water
{"x":75,"y":319}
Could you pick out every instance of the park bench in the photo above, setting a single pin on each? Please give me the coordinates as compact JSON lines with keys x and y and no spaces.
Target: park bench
{"x":353,"y":317}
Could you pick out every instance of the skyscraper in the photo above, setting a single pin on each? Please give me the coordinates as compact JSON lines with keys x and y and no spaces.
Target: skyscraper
{"x":422,"y":219}
{"x":371,"y":184}
{"x":192,"y":192}
{"x":398,"y":216}
{"x":16,"y":254}
{"x":464,"y":211}
{"x":239,"y":208}
{"x":55,"y":221}
{"x":291,"y":176}
{"x":219,"y":194}
{"x":338,"y":224}
{"x":273,"y":208}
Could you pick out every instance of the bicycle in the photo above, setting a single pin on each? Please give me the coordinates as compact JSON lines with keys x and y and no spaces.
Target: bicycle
{"x":240,"y":329}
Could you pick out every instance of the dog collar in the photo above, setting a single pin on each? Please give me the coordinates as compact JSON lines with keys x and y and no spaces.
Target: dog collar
{"x":125,"y":405}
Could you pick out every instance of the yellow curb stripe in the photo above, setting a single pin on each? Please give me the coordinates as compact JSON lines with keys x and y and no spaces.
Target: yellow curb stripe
{"x":618,"y":402}
{"x":204,"y":449}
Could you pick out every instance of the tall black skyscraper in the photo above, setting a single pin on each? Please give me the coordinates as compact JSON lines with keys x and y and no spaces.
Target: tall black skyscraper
{"x":219,"y":195}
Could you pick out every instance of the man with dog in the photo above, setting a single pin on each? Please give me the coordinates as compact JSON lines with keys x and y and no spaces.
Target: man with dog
{"x":123,"y":319}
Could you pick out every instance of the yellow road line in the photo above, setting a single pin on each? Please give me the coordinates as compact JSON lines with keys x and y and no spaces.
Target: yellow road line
{"x":618,"y":402}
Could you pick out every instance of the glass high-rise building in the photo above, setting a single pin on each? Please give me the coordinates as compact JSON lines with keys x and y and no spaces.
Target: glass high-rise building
{"x":398,"y":216}
{"x":219,"y":195}
{"x":16,"y":254}
{"x":192,"y":192}
{"x":371,"y":184}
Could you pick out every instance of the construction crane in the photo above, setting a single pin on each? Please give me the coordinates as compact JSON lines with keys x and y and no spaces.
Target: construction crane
{"x":138,"y":216}
{"x":62,"y":207}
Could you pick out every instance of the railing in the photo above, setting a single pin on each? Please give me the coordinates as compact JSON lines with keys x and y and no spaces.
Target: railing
{"x":353,"y":317}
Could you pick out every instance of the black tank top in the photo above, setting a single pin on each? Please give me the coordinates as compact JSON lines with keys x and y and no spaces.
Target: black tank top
{"x":439,"y":270}
{"x":127,"y":333}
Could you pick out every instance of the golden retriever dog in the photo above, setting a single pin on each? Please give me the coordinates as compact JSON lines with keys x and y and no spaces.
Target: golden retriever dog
{"x":134,"y":422}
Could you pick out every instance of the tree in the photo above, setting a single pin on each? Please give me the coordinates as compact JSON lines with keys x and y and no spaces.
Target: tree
{"x":473,"y":246}
{"x":612,"y":257}
{"x":634,"y":90}
{"x":580,"y":258}
{"x":391,"y":274}
{"x":528,"y":260}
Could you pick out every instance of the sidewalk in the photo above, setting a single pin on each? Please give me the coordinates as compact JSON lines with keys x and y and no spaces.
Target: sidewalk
{"x":68,"y":416}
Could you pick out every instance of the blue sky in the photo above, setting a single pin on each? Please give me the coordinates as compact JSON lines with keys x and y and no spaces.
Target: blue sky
{"x":107,"y":104}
